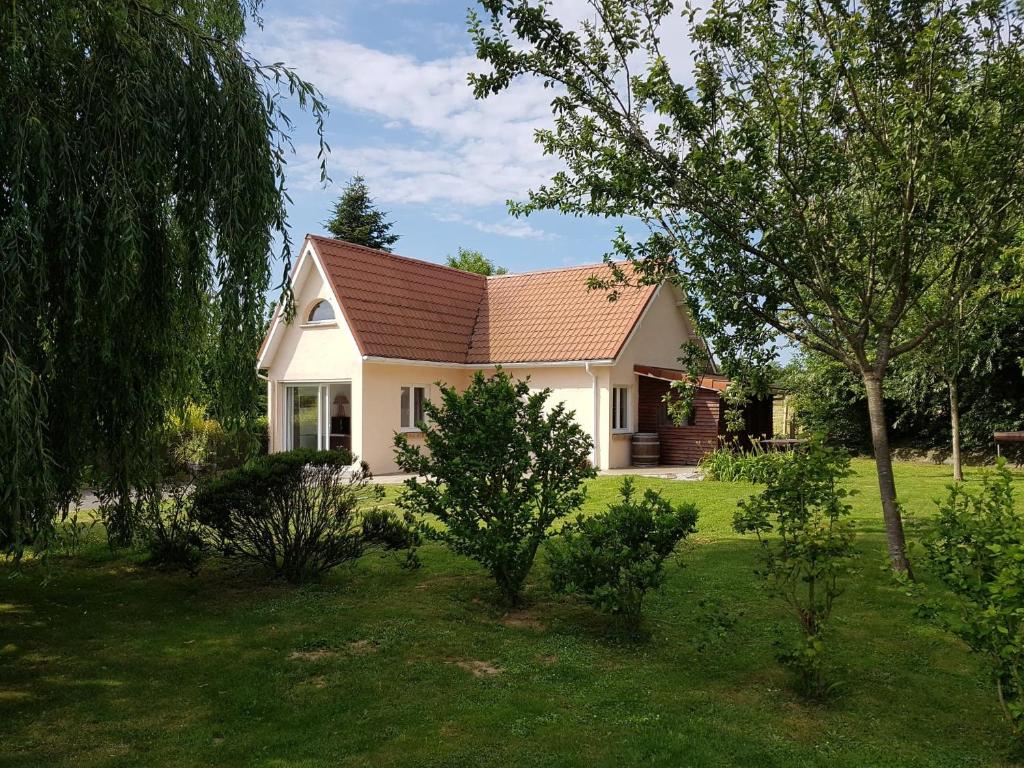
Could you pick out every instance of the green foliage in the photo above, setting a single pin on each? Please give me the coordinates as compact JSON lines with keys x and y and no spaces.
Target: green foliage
{"x":978,"y":551}
{"x":498,"y":467}
{"x":474,"y":261}
{"x":299,"y":513}
{"x":800,"y":521}
{"x":614,"y":558}
{"x":170,"y":531}
{"x":142,"y":172}
{"x":729,"y":464}
{"x":192,"y":441}
{"x":26,"y":494}
{"x":355,"y":219}
{"x":829,"y":401}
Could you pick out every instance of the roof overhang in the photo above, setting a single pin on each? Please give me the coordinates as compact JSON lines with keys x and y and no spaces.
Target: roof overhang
{"x":709,"y":381}
{"x":484,"y":365}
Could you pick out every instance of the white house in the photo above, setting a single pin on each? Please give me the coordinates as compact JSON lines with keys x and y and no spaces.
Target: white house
{"x":373,"y":332}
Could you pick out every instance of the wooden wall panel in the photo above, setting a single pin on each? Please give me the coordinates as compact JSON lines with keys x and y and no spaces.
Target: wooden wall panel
{"x":686,"y":444}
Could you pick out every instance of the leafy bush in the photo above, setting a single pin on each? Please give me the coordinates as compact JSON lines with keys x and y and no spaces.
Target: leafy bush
{"x":299,"y":513}
{"x":193,"y":441}
{"x":613,"y":559}
{"x":499,"y":467}
{"x":170,"y":530}
{"x":800,"y":521}
{"x":978,"y":551}
{"x":730,"y":464}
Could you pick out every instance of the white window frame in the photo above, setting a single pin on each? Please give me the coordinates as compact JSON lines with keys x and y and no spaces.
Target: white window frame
{"x":618,"y":392}
{"x":323,"y":438}
{"x":321,"y":413}
{"x":313,"y":305}
{"x":412,"y":406}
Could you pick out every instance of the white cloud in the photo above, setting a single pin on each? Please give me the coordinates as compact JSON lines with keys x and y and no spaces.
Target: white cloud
{"x":436,"y":144}
{"x":468,"y":151}
{"x":510,"y":228}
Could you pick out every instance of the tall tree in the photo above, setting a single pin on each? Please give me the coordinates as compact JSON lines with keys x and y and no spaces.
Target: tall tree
{"x":831,"y":164}
{"x":474,"y":261}
{"x":355,"y":218}
{"x":142,"y":171}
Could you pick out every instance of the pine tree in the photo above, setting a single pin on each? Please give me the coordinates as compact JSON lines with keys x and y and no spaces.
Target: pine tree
{"x":355,"y":219}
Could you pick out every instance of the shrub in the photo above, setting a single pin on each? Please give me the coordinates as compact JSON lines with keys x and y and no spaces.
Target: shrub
{"x":170,"y":530}
{"x":299,"y":513}
{"x":499,"y":467}
{"x":193,"y":442}
{"x":978,"y":551}
{"x":613,"y":559}
{"x":730,"y":464}
{"x":800,"y":521}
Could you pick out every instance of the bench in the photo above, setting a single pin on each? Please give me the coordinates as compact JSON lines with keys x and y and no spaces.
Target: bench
{"x":1006,"y":438}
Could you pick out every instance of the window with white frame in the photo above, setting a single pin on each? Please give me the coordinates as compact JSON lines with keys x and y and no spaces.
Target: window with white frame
{"x":411,"y":403}
{"x":321,"y":313}
{"x":620,"y":409}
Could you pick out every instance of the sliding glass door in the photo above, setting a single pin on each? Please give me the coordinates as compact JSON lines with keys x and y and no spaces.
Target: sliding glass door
{"x":303,"y":413}
{"x":318,"y":416}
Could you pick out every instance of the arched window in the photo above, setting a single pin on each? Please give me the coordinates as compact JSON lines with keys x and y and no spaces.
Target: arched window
{"x":321,"y":312}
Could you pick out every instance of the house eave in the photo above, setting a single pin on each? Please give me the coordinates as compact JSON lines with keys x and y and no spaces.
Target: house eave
{"x":488,"y":364}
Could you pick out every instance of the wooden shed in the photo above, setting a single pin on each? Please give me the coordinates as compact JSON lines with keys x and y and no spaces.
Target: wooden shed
{"x":687,"y":444}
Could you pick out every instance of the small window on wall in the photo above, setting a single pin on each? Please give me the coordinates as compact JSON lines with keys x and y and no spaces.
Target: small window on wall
{"x":321,"y":312}
{"x":620,"y":409}
{"x":412,"y":408}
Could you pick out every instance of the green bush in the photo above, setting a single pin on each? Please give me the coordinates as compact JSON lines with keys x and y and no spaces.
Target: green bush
{"x":300,"y":513}
{"x":978,"y":551}
{"x":170,"y":531}
{"x":800,"y":521}
{"x":614,"y":558}
{"x":193,"y":442}
{"x":730,"y":464}
{"x":499,"y":467}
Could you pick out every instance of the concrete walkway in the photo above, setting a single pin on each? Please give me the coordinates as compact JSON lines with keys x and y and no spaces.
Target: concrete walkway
{"x":668,"y":473}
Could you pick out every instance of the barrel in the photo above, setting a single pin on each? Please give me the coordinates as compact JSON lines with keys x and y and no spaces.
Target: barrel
{"x":646,"y":449}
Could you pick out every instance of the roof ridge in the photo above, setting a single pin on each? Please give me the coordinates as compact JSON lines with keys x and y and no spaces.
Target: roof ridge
{"x":396,"y":256}
{"x":594,"y":265}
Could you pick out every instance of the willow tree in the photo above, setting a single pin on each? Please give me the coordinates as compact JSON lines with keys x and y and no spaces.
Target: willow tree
{"x":141,"y":172}
{"x":813,"y":171}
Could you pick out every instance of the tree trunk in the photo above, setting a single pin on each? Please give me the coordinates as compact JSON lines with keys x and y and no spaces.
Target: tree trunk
{"x":886,"y":480}
{"x":954,"y":420}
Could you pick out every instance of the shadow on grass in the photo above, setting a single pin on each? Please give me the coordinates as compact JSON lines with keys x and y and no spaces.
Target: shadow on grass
{"x":376,"y":664}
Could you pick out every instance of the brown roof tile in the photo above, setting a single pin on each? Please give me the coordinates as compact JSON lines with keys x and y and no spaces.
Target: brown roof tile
{"x":404,"y":308}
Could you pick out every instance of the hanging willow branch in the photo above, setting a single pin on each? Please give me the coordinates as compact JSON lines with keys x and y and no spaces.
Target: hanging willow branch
{"x":142,"y":172}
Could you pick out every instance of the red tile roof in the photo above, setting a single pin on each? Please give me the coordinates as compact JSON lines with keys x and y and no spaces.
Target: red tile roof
{"x":408,"y":309}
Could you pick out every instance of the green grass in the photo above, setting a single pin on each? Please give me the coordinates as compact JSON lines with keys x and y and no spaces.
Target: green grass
{"x":110,"y":663}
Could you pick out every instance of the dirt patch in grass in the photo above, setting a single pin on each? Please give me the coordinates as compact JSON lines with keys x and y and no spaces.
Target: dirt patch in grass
{"x":362,"y":647}
{"x":523,"y":620}
{"x":477,"y":668}
{"x":547,"y":659}
{"x":316,"y":654}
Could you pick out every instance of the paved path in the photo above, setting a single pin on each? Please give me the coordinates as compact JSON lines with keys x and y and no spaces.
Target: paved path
{"x":669,"y":473}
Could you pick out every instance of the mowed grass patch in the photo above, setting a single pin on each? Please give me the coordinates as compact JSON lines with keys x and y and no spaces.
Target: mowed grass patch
{"x":110,"y":663}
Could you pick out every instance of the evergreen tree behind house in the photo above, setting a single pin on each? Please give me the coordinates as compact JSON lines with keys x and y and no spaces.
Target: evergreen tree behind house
{"x":355,"y":218}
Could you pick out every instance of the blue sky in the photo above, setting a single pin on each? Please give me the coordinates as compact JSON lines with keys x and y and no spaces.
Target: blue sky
{"x":441,"y":163}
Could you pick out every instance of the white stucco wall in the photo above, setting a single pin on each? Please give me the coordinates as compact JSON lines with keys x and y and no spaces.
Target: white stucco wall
{"x":656,"y":341}
{"x":304,"y":353}
{"x":381,"y":405}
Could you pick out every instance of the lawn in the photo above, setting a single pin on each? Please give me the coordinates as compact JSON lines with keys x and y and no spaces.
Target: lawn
{"x":110,"y":663}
